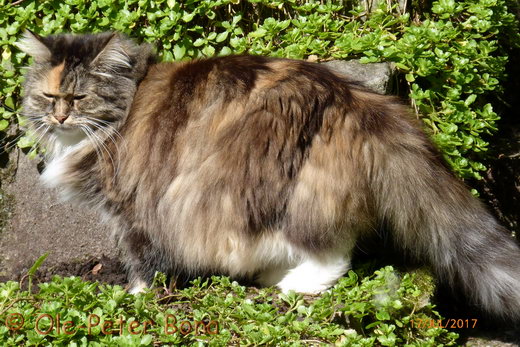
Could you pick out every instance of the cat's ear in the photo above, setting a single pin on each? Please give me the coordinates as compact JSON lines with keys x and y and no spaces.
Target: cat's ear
{"x":33,"y":45}
{"x":113,"y":56}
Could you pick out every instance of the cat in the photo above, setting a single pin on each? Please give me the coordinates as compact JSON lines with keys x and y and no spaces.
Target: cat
{"x":252,"y":167}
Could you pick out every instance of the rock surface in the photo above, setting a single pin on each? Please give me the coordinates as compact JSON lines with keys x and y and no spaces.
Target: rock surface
{"x":40,"y":223}
{"x":377,"y":76}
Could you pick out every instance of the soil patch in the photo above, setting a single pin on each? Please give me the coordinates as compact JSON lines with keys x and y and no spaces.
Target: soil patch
{"x":102,"y":269}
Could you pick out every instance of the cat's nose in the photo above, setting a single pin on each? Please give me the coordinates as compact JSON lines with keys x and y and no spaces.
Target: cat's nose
{"x":61,"y":118}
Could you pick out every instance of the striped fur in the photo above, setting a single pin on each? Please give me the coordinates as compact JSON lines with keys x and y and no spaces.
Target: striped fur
{"x":253,"y":167}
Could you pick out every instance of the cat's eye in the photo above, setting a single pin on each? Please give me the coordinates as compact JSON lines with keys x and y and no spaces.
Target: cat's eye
{"x":50,"y":96}
{"x":79,"y":97}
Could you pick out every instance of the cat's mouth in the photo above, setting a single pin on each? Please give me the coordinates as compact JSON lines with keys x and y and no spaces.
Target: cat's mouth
{"x":65,"y":124}
{"x":67,"y":129}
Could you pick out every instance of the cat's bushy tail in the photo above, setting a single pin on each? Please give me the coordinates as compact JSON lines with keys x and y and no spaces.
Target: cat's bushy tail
{"x":435,"y":217}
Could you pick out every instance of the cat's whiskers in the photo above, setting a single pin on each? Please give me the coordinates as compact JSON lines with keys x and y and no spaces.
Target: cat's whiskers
{"x":11,"y":144}
{"x":94,"y":140}
{"x":51,"y":142}
{"x":33,"y":115}
{"x":41,"y":136}
{"x":109,"y":131}
{"x":107,"y":128}
{"x":100,"y":147}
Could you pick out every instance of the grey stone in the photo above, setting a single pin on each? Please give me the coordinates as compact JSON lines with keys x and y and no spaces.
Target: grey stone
{"x":377,"y":76}
{"x":40,"y":223}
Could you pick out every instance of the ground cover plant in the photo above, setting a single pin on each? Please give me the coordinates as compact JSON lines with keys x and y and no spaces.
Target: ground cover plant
{"x":451,"y":56}
{"x":385,"y":309}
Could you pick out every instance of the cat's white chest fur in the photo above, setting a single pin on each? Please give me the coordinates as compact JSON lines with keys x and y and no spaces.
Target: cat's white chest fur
{"x":54,"y":174}
{"x":56,"y":170}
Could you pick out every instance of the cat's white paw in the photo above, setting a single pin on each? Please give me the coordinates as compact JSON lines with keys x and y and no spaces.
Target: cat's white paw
{"x":314,"y":275}
{"x":137,"y":286}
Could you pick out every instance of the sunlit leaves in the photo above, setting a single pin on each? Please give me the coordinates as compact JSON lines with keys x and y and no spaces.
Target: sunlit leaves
{"x":359,"y":310}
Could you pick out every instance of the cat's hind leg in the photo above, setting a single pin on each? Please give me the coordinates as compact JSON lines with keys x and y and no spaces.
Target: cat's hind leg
{"x":137,"y":285}
{"x":312,"y":274}
{"x":315,"y":274}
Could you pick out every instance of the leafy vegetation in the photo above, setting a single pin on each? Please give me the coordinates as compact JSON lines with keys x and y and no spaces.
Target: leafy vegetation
{"x":452,"y":56}
{"x":378,"y":310}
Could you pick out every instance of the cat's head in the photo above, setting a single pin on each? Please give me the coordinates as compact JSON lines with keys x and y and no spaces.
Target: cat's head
{"x":80,"y":83}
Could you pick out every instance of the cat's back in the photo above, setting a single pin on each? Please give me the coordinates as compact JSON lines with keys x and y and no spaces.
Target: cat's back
{"x":249,"y":117}
{"x":202,"y":82}
{"x":229,"y":93}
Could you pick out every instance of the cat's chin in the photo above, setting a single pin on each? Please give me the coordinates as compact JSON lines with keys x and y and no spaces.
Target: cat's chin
{"x":69,"y":136}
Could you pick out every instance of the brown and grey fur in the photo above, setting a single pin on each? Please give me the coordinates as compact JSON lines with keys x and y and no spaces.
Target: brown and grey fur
{"x":255,"y":167}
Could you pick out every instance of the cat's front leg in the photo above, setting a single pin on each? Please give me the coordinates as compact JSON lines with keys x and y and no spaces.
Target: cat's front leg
{"x":142,"y":259}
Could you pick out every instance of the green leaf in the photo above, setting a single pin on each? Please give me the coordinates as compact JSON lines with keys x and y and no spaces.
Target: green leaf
{"x":3,"y":124}
{"x":9,"y":102}
{"x":25,"y":142}
{"x":179,"y":52}
{"x":236,"y":19}
{"x":382,"y":315}
{"x":222,"y":36}
{"x":212,"y":36}
{"x":188,"y":17}
{"x":199,"y":42}
{"x":470,"y":99}
{"x":208,"y":51}
{"x":402,"y":66}
{"x":225,"y":51}
{"x":167,"y":56}
{"x":37,"y":264}
{"x":258,"y":33}
{"x":146,"y":340}
{"x":449,"y":128}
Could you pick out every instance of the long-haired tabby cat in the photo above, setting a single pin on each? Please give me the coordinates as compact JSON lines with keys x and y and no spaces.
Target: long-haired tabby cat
{"x":252,"y":167}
